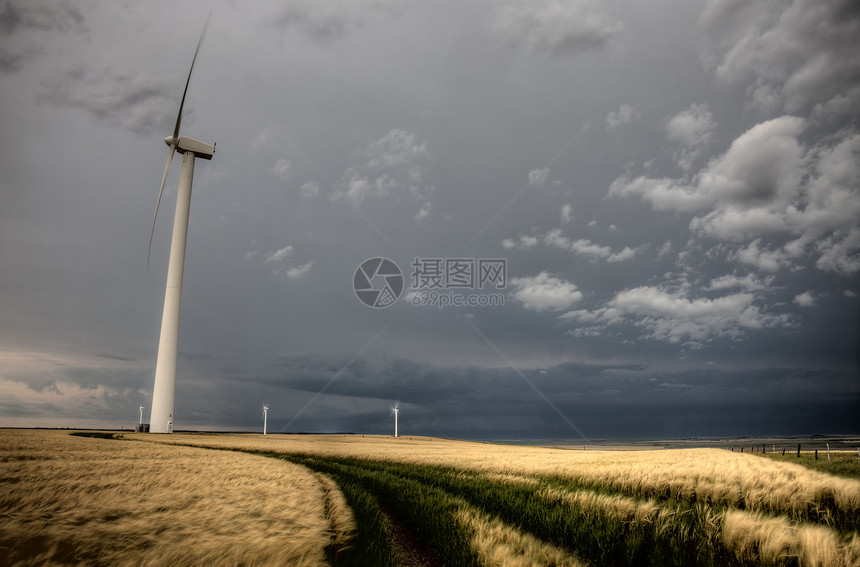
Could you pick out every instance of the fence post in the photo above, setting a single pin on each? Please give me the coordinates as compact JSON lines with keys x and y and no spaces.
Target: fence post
{"x":783,"y":451}
{"x":828,"y":452}
{"x":816,"y":454}
{"x":798,"y":450}
{"x":858,"y":452}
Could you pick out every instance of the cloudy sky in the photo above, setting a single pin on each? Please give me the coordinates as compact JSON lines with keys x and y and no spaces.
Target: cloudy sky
{"x":674,"y":187}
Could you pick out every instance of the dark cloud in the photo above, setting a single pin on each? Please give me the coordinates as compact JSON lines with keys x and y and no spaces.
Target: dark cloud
{"x":320,"y":27}
{"x":142,"y":104}
{"x":682,"y":258}
{"x":326,"y":22}
{"x":794,"y":56}
{"x":556,"y":28}
{"x":12,"y":407}
{"x":25,"y":28}
{"x":115,"y":357}
{"x":10,"y":62}
{"x":21,"y":16}
{"x":114,"y":379}
{"x":601,"y":400}
{"x":38,"y":382}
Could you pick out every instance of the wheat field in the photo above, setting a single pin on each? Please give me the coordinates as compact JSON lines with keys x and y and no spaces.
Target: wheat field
{"x":69,"y":500}
{"x":218,"y":499}
{"x":713,"y":475}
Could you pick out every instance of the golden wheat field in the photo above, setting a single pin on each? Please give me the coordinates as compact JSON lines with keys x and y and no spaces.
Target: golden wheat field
{"x":179,"y":499}
{"x":68,"y":500}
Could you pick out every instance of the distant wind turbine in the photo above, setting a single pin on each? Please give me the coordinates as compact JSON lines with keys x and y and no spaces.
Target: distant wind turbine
{"x":395,"y":410}
{"x":265,"y":416}
{"x":140,"y":421}
{"x":164,"y":389}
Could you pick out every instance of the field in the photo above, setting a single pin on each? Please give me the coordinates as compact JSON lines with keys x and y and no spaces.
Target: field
{"x":207,"y":499}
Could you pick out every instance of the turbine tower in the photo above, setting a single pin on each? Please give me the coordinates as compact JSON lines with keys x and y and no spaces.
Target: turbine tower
{"x":161,"y":418}
{"x":265,"y":416}
{"x":395,"y":410}
{"x":140,"y":421}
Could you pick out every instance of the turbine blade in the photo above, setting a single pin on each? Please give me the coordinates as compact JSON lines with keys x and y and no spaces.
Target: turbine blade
{"x":188,"y":80}
{"x":158,"y":202}
{"x":175,"y":137}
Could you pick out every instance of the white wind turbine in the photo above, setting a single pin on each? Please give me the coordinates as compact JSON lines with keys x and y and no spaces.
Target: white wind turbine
{"x":395,"y":410}
{"x":161,"y":418}
{"x":265,"y":416}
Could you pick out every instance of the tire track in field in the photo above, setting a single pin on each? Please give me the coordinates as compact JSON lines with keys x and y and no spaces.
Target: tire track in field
{"x":406,"y":545}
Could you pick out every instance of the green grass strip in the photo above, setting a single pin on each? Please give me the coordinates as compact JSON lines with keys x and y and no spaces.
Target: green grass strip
{"x":96,"y":434}
{"x":599,"y":536}
{"x":428,"y":512}
{"x":421,"y":495}
{"x":369,"y":544}
{"x":841,"y":464}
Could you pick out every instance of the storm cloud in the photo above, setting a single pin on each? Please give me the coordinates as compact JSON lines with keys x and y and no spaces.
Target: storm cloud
{"x":674,"y":190}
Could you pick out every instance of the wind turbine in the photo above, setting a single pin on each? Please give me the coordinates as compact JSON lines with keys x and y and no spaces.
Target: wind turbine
{"x":395,"y":410}
{"x":140,"y":422}
{"x":164,"y":389}
{"x":265,"y":416}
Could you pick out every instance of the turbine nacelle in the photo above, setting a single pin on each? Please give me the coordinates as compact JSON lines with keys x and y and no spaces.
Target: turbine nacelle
{"x":185,"y":144}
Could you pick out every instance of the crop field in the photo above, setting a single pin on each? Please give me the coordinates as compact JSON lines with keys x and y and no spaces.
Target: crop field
{"x":72,"y":500}
{"x":209,"y":499}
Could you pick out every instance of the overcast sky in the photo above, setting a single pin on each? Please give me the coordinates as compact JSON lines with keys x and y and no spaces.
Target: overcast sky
{"x":674,"y":186}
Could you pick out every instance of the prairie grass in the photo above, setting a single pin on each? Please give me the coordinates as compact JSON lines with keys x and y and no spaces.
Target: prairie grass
{"x":713,"y":476}
{"x":458,"y":532}
{"x":500,"y":545}
{"x":71,"y":500}
{"x":369,"y":543}
{"x":428,"y":511}
{"x":169,"y":498}
{"x":604,"y":529}
{"x":775,"y":541}
{"x":687,"y":503}
{"x":841,"y":463}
